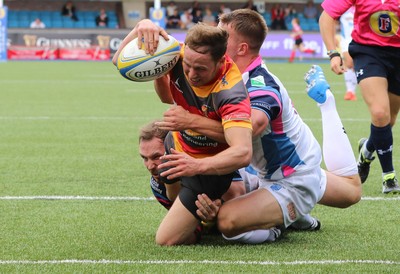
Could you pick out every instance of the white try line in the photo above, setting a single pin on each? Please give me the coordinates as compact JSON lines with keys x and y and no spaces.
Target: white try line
{"x":202,"y":262}
{"x":90,"y":198}
{"x":94,"y":118}
{"x":353,"y":120}
{"x":133,"y":198}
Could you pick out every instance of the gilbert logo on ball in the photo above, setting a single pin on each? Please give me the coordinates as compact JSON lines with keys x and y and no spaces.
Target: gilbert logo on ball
{"x":134,"y":64}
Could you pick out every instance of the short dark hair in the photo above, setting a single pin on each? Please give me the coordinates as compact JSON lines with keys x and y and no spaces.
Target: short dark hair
{"x":249,"y":24}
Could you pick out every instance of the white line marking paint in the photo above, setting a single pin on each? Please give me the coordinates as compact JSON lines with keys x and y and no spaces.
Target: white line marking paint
{"x":106,"y":198}
{"x":70,"y":118}
{"x":132,"y":118}
{"x":122,"y":198}
{"x":151,"y":262}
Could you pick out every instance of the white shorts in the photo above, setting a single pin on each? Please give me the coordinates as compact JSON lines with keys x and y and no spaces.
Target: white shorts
{"x":297,"y":194}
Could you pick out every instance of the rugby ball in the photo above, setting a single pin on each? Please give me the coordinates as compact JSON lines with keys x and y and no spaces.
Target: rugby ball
{"x":134,"y":64}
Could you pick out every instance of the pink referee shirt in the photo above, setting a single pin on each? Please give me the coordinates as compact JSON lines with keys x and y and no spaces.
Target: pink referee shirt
{"x":376,"y":22}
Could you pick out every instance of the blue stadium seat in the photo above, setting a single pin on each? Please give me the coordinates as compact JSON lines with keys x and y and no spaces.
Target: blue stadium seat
{"x":57,"y":23}
{"x":112,"y":24}
{"x":68,"y":23}
{"x":79,"y":24}
{"x":47,"y":22}
{"x":13,"y":23}
{"x":90,"y":24}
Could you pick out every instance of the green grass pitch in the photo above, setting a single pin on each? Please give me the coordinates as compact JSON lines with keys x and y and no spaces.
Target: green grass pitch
{"x":75,"y":197}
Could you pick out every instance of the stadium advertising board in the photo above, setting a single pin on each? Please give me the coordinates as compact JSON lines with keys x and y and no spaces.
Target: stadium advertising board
{"x":279,"y":45}
{"x":50,"y":46}
{"x":77,"y":45}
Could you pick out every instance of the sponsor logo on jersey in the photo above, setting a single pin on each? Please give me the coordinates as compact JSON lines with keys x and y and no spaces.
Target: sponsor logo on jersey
{"x":257,"y":81}
{"x":384,"y":23}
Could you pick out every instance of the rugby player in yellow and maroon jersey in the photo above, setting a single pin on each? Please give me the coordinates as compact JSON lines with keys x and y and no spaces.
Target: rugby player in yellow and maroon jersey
{"x":206,"y":82}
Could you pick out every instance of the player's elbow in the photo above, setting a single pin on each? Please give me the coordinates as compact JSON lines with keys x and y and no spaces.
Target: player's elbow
{"x":245,"y":156}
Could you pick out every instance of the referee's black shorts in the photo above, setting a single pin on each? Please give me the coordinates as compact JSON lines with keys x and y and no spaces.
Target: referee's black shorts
{"x":377,"y":61}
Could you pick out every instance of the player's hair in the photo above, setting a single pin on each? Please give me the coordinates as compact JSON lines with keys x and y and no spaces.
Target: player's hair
{"x":248,"y":24}
{"x":150,"y":131}
{"x":205,"y":39}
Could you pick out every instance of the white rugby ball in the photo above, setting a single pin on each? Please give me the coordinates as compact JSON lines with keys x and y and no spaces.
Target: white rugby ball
{"x":134,"y":64}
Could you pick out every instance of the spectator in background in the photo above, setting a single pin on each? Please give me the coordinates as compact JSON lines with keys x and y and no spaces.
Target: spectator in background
{"x":186,"y":20}
{"x":171,"y":7}
{"x":69,"y":10}
{"x":223,"y":9}
{"x":250,"y":5}
{"x":278,"y":17}
{"x":198,"y":16}
{"x":102,"y":19}
{"x":195,"y":7}
{"x":209,"y":17}
{"x":310,"y":11}
{"x":290,"y":12}
{"x":37,"y":24}
{"x":174,"y":20}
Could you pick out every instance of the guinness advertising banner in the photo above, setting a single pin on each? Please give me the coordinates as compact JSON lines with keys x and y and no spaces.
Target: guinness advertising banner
{"x":85,"y":45}
{"x":53,"y":45}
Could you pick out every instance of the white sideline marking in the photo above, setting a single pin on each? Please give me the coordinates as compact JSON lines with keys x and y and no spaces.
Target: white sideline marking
{"x":122,"y":198}
{"x":107,"y":198}
{"x":104,"y":261}
{"x":71,"y":118}
{"x":132,"y":118}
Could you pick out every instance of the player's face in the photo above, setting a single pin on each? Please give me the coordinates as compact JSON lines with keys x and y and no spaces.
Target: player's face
{"x":200,"y":69}
{"x":151,"y":151}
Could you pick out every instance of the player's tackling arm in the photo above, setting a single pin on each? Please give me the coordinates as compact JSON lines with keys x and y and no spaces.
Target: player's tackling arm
{"x":176,"y":118}
{"x":238,"y":155}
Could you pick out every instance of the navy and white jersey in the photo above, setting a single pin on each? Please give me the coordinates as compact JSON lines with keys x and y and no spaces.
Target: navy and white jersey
{"x":160,"y":193}
{"x":287,"y":145}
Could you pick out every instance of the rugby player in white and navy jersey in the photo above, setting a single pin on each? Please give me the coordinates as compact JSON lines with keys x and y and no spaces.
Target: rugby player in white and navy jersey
{"x":286,"y":155}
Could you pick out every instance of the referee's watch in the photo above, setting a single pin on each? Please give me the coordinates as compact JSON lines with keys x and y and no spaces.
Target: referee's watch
{"x":333,"y":53}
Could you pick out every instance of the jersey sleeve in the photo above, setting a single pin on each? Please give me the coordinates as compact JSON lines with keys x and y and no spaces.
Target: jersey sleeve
{"x":267,"y":100}
{"x":232,"y":100}
{"x":335,"y":8}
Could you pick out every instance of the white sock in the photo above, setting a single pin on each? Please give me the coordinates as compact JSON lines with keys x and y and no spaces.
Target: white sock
{"x":254,"y":237}
{"x":350,"y":80}
{"x":337,"y":151}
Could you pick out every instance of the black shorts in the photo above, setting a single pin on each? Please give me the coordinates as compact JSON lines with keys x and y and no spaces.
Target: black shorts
{"x":377,"y":61}
{"x":212,"y":185}
{"x":298,"y":41}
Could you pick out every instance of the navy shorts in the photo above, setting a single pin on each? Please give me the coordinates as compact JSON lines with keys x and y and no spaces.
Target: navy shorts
{"x":212,"y":185}
{"x":298,"y":41}
{"x":370,"y":61}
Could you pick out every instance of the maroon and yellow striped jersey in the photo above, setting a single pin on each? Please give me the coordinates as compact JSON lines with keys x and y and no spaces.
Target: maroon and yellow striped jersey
{"x":225,"y":100}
